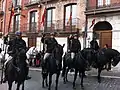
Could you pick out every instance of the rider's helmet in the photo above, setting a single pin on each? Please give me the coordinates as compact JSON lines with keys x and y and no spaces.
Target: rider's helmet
{"x":52,"y":34}
{"x":18,"y":33}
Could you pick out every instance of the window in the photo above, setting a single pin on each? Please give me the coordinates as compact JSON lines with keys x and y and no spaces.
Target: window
{"x":107,"y":2}
{"x":100,"y":3}
{"x":33,"y":21}
{"x":17,"y":2}
{"x":50,"y":19}
{"x":16,"y":22}
{"x":70,"y":16}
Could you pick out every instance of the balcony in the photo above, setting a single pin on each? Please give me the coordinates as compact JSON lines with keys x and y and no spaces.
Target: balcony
{"x":56,"y":26}
{"x":29,"y":3}
{"x":115,"y":7}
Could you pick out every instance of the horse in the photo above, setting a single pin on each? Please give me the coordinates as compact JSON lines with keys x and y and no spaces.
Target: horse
{"x":104,"y":56}
{"x":80,"y":63}
{"x":54,"y":65}
{"x":31,"y":55}
{"x":17,"y":72}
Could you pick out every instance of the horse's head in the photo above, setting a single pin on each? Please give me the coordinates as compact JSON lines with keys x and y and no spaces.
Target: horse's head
{"x":21,"y":55}
{"x":58,"y":52}
{"x":116,"y":60}
{"x":88,"y":54}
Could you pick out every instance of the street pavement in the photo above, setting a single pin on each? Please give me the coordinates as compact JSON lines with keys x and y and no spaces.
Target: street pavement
{"x":110,"y":81}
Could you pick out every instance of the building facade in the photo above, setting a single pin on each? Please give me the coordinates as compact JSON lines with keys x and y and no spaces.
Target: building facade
{"x":2,"y":10}
{"x":60,"y":16}
{"x":103,"y":17}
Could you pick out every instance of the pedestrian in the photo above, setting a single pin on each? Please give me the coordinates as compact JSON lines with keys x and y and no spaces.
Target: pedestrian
{"x":69,"y":41}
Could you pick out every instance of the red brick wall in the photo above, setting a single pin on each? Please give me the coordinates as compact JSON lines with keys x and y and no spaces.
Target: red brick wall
{"x":92,"y":3}
{"x":8,"y":4}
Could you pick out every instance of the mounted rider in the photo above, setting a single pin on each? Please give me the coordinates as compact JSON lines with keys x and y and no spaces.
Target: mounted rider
{"x":15,"y":45}
{"x":50,"y":43}
{"x":94,"y":44}
{"x":75,"y":46}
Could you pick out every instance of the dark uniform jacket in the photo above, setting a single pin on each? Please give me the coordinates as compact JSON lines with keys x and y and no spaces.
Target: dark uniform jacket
{"x":94,"y":45}
{"x":75,"y":46}
{"x":69,"y":42}
{"x":16,"y":44}
{"x":50,"y":42}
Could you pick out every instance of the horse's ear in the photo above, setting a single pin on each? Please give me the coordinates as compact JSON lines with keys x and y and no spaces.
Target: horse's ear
{"x":63,"y":45}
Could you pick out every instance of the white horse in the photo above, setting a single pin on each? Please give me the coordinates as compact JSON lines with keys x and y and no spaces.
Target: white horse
{"x":31,"y":55}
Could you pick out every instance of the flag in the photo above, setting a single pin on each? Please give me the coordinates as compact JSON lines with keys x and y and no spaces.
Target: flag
{"x":43,"y":17}
{"x":70,"y":18}
{"x":12,"y":10}
{"x":11,"y":15}
{"x":93,"y":22}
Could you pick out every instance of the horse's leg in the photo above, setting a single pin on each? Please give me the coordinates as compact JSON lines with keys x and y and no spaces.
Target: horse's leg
{"x":50,"y":81}
{"x":82,"y":76}
{"x":43,"y":81}
{"x":64,"y":74}
{"x":46,"y":81}
{"x":66,"y":79}
{"x":18,"y":86}
{"x":99,"y":72}
{"x":10,"y":85}
{"x":57,"y":77}
{"x":23,"y":86}
{"x":75,"y":76}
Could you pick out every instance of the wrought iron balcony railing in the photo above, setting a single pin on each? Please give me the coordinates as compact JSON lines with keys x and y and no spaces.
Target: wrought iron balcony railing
{"x":60,"y":26}
{"x":35,"y":2}
{"x":109,"y":6}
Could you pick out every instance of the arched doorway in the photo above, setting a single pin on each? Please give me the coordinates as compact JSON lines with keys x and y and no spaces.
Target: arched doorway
{"x":103,"y":29}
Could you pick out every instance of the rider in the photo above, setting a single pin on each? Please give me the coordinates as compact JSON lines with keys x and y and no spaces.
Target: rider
{"x":94,"y":44}
{"x":75,"y":46}
{"x":69,"y":41}
{"x":50,"y":43}
{"x":14,"y":46}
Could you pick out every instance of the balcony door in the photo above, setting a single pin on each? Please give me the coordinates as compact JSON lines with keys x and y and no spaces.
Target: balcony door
{"x":50,"y":24}
{"x":33,"y":21}
{"x":70,"y":17}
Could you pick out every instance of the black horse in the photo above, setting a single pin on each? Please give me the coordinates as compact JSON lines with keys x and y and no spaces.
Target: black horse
{"x":81,"y":61}
{"x":104,"y":56}
{"x":54,"y":65}
{"x":17,"y":72}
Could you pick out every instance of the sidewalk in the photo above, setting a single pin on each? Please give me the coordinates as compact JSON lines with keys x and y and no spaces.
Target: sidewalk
{"x":113,"y":73}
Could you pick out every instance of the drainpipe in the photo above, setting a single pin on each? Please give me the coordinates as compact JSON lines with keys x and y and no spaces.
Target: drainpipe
{"x":85,"y":31}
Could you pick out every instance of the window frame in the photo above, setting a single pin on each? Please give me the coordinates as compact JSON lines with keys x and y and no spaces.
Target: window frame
{"x":51,"y":19}
{"x":71,"y":11}
{"x":17,"y":22}
{"x":33,"y":24}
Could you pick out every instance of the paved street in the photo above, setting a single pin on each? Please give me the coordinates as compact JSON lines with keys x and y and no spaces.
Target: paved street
{"x":110,"y":81}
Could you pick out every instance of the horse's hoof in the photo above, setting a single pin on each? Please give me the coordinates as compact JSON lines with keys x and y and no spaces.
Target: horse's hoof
{"x":67,"y":81}
{"x":99,"y":81}
{"x":74,"y":87}
{"x":55,"y":88}
{"x":64,"y":82}
{"x":82,"y":86}
{"x":47,"y":85}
